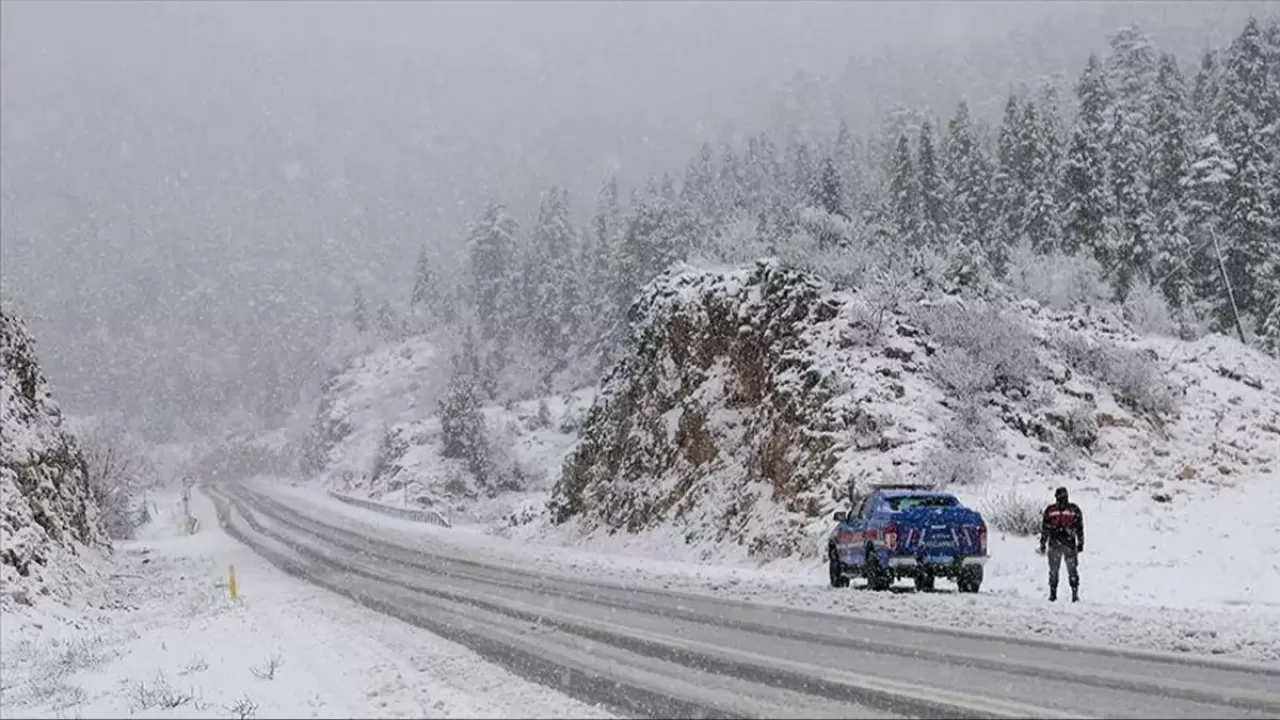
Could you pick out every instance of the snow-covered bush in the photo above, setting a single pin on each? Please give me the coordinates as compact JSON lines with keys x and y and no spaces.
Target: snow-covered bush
{"x":118,"y":474}
{"x":1081,"y":426}
{"x":1135,"y":378}
{"x":970,"y":430}
{"x":944,"y":466}
{"x":982,"y":349}
{"x":1012,"y":512}
{"x":1056,"y":280}
{"x":1147,"y":311}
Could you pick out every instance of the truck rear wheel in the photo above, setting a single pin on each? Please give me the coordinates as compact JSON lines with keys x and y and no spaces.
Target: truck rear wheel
{"x":970,"y":579}
{"x":836,"y":570}
{"x":877,"y":577}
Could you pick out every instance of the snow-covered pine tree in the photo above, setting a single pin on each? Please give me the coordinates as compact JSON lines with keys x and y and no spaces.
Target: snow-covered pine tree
{"x":667,"y":190}
{"x":493,"y":266}
{"x":1171,"y":126}
{"x":845,"y":156}
{"x":556,"y":293}
{"x":904,"y":195}
{"x":599,"y":267}
{"x":1269,"y":334}
{"x":390,"y":327}
{"x":828,"y":196}
{"x":803,"y":172}
{"x":967,"y":168}
{"x":829,"y":193}
{"x":730,"y":185}
{"x":426,"y":300}
{"x":699,"y":189}
{"x":935,"y":196}
{"x":1246,"y":99}
{"x":1206,"y":187}
{"x":1011,"y":198}
{"x":1170,"y":158}
{"x":1204,"y":93}
{"x":1085,"y":168}
{"x":360,"y":312}
{"x":1131,"y":73}
{"x":462,"y":428}
{"x":648,"y":248}
{"x":1038,"y":151}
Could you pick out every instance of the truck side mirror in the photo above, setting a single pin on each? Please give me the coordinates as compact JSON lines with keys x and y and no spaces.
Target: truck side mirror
{"x":840,"y":516}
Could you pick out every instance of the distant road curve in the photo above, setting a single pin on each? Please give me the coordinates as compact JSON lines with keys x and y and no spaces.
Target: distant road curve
{"x":653,"y":653}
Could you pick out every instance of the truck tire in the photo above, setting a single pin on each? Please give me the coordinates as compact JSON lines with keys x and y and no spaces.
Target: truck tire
{"x":878,"y":578}
{"x":836,"y":570}
{"x":970,"y":579}
{"x":924,"y":582}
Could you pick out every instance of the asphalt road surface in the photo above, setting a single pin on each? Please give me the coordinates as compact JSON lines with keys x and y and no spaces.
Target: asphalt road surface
{"x":642,"y":652}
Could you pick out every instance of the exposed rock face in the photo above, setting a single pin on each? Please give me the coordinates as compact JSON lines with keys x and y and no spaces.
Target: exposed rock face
{"x":724,"y":416}
{"x":46,"y":506}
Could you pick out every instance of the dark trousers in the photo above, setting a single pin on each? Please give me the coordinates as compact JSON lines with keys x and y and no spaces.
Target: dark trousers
{"x":1058,"y":553}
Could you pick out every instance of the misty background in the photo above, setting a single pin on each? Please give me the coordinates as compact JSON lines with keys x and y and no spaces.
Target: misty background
{"x":190,"y":193}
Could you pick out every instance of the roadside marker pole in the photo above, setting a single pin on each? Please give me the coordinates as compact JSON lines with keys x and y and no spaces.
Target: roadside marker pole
{"x":234,"y":592}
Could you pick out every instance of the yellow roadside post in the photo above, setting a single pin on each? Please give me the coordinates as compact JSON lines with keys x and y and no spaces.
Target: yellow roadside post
{"x":234,"y":594}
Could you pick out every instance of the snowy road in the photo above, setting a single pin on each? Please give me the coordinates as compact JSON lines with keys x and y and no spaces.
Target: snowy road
{"x":650,"y":653}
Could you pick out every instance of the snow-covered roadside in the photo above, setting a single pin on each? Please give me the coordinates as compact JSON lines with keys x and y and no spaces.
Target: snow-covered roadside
{"x":1135,"y":600}
{"x":164,"y":639}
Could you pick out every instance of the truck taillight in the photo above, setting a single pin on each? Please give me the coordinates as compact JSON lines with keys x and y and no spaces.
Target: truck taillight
{"x":891,"y":537}
{"x":982,"y":538}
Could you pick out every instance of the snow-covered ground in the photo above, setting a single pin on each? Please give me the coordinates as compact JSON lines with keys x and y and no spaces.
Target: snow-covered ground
{"x":163,"y":638}
{"x":1149,"y":597}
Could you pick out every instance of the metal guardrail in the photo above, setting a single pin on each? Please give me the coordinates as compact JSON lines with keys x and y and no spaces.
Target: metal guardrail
{"x":416,"y":515}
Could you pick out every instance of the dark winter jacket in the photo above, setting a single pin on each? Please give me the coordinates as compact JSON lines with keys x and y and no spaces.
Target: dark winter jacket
{"x":1063,"y":526}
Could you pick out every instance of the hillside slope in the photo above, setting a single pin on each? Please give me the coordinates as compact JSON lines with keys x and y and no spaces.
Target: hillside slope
{"x":748,"y":399}
{"x":47,"y":512}
{"x":376,"y":434}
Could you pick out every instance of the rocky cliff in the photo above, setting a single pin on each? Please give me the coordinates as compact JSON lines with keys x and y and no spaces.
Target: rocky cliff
{"x":46,"y":508}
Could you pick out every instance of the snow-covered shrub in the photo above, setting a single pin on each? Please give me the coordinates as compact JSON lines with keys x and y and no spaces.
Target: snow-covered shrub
{"x":982,"y":348}
{"x":1056,"y":280}
{"x":1147,"y":311}
{"x":1079,"y":424}
{"x":1135,"y":379}
{"x":956,"y":467}
{"x":970,"y":430}
{"x":1012,"y":512}
{"x":118,"y":473}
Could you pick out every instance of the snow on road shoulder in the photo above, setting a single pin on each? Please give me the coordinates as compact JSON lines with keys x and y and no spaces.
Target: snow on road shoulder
{"x":1121,"y":610}
{"x":164,"y":639}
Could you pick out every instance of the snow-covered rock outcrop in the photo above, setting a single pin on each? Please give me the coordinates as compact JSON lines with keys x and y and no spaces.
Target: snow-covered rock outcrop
{"x":47,"y":512}
{"x":747,"y":399}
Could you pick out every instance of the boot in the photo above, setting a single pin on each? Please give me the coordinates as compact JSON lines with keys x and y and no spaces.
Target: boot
{"x":1053,"y":594}
{"x":1075,"y":594}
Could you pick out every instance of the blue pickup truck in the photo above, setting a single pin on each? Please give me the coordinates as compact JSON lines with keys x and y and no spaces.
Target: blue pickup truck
{"x":897,"y":531}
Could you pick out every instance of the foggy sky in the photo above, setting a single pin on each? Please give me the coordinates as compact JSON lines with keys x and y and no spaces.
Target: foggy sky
{"x":189,"y":191}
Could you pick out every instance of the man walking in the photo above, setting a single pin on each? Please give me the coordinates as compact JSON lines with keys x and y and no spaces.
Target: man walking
{"x":1062,"y":529}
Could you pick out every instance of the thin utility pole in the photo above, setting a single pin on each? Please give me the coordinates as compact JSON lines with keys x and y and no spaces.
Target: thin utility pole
{"x":1231,"y":295}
